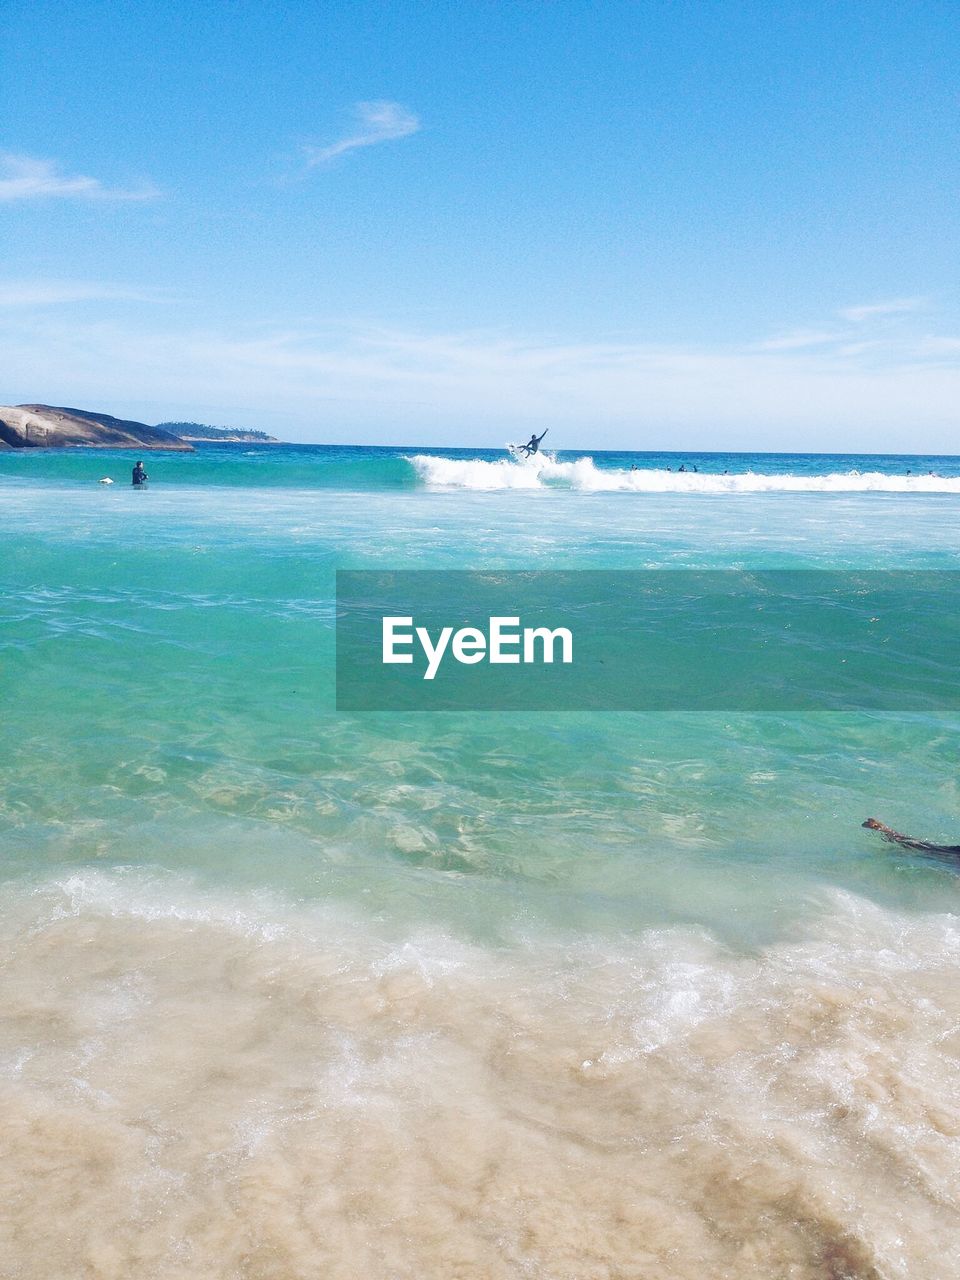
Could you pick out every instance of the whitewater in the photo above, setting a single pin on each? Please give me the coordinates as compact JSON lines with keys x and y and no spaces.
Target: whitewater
{"x":545,"y":470}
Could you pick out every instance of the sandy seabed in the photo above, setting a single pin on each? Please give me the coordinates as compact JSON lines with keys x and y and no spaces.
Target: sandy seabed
{"x":201,"y":1088}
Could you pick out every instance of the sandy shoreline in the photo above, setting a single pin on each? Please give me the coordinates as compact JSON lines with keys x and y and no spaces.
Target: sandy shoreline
{"x":205,"y":1090}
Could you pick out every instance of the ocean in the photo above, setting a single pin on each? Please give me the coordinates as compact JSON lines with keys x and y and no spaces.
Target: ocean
{"x":574,"y":995}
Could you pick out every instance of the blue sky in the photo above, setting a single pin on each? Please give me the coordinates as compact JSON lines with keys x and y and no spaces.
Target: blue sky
{"x":690,"y":225}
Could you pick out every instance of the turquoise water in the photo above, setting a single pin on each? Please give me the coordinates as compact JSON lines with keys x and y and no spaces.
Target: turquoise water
{"x":168,"y":685}
{"x":176,"y":778}
{"x":366,"y":469}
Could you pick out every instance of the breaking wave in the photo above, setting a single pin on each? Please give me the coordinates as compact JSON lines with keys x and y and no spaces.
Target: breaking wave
{"x":546,"y":472}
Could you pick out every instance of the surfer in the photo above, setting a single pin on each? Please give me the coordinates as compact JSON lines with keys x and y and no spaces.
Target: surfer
{"x":533,"y":444}
{"x":139,"y":477}
{"x":908,"y":842}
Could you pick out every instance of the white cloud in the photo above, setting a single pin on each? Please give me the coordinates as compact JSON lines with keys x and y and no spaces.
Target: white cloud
{"x":381,"y":385}
{"x":878,"y":310}
{"x":29,"y":178}
{"x":46,"y":293}
{"x":854,"y":331}
{"x":799,"y":339}
{"x":376,"y":122}
{"x":942,"y":346}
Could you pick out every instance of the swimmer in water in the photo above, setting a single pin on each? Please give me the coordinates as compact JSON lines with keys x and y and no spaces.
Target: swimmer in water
{"x":949,"y":852}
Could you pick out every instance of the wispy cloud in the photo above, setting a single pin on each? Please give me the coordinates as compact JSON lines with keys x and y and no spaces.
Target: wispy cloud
{"x":940,"y":346}
{"x":487,"y":386}
{"x":798,"y":340}
{"x":379,"y":121}
{"x":30,"y":178}
{"x":46,"y":293}
{"x":865,"y":326}
{"x":878,"y":310}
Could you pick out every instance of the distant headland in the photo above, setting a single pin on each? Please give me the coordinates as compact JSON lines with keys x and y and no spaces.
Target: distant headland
{"x":227,"y":435}
{"x":44,"y":426}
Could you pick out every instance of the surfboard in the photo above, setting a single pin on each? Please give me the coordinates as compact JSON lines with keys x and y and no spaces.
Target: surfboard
{"x":518,"y":451}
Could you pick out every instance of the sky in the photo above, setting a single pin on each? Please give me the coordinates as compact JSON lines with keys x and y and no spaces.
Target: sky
{"x":648,"y":224}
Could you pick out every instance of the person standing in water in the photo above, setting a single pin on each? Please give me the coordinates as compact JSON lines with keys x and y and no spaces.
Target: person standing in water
{"x":533,"y":444}
{"x":139,"y":477}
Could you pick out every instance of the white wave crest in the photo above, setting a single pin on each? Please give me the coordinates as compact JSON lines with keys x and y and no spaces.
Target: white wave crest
{"x":545,"y":472}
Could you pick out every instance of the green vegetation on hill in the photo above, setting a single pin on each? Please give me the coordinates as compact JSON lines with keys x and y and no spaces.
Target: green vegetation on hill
{"x":200,"y":431}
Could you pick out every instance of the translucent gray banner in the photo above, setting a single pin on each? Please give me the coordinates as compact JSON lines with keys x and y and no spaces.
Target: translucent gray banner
{"x":656,"y":640}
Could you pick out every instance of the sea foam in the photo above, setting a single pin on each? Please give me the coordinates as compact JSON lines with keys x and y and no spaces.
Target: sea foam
{"x":200,"y":1096}
{"x":544,"y":471}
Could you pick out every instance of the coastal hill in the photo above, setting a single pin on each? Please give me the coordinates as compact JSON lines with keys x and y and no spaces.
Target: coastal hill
{"x":226,"y":435}
{"x":44,"y":426}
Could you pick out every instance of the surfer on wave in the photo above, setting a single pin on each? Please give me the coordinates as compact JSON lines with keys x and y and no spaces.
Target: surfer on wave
{"x":532,"y":446}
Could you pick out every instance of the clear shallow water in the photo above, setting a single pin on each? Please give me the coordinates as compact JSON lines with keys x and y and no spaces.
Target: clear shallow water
{"x":334,"y":988}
